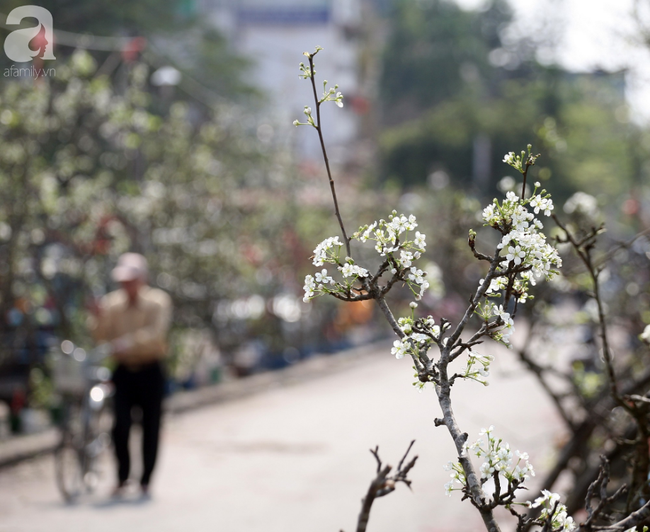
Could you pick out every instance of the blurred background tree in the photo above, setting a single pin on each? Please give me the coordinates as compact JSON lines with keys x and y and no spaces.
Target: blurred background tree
{"x":457,"y":92}
{"x":90,"y":173}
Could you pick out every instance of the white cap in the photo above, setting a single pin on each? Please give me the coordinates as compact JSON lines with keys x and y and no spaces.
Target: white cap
{"x":130,"y":266}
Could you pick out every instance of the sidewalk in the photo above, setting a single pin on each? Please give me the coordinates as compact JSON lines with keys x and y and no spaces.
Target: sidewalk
{"x":295,"y":456}
{"x":19,"y":448}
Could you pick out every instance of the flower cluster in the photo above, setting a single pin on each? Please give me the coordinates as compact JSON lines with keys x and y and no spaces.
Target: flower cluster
{"x":387,"y":234}
{"x":520,"y":162}
{"x":310,"y":118}
{"x":478,"y":367}
{"x":305,"y":71}
{"x":512,"y":467}
{"x":416,"y":281}
{"x":539,"y":203}
{"x":413,"y":341}
{"x":457,"y":477}
{"x":552,"y":508}
{"x":317,"y":283}
{"x":522,"y":244}
{"x":393,"y":241}
{"x":352,"y":270}
{"x":391,"y":237}
{"x":331,"y":95}
{"x":329,"y":251}
{"x":502,"y":329}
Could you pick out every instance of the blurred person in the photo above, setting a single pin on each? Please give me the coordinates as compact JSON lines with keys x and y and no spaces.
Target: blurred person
{"x":135,"y":320}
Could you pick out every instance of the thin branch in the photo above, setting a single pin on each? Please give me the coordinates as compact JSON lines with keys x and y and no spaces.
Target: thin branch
{"x":631,"y":520}
{"x":388,"y":314}
{"x":382,"y":484}
{"x":623,"y":245}
{"x":584,"y":252}
{"x":600,"y":484}
{"x":325,"y":157}
{"x":480,"y":292}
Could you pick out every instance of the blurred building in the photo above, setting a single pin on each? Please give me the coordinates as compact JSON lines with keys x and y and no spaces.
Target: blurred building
{"x":274,"y":33}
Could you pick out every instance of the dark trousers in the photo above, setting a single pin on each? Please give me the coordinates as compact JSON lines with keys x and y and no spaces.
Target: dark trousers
{"x":143,"y":388}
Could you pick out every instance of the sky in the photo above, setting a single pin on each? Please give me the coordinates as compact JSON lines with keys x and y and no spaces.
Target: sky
{"x":590,"y":34}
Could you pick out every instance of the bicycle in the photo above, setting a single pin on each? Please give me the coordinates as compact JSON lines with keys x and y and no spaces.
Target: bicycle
{"x":85,"y":422}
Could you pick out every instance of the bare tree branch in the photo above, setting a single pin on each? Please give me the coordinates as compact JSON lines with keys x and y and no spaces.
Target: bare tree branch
{"x":383,"y":484}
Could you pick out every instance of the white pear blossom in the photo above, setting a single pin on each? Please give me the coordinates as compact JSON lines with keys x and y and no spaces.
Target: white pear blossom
{"x":457,"y":477}
{"x":352,"y":270}
{"x":322,"y":252}
{"x":405,"y":258}
{"x":322,"y":278}
{"x":512,"y":467}
{"x":317,"y":284}
{"x":416,"y":277}
{"x":504,"y":333}
{"x":414,"y":341}
{"x":551,"y":507}
{"x":309,"y":288}
{"x":515,"y":254}
{"x":498,"y":457}
{"x":420,"y":240}
{"x":399,"y":349}
{"x":366,"y":234}
{"x":522,"y":243}
{"x":390,"y":237}
{"x":478,"y":367}
{"x":542,"y":204}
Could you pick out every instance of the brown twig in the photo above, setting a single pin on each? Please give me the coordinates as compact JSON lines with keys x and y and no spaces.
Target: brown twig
{"x":600,"y":485}
{"x":324,"y":150}
{"x":638,"y":412}
{"x":382,"y":484}
{"x":583,"y":250}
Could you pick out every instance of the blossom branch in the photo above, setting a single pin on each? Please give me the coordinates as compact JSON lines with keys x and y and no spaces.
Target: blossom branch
{"x":521,"y":256}
{"x":317,"y":125}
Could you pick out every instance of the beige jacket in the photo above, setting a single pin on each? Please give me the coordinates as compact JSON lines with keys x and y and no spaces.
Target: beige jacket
{"x":141,"y":329}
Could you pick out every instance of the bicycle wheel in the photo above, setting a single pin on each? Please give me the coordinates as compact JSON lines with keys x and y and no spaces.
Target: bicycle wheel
{"x":97,"y":440}
{"x":69,"y":457}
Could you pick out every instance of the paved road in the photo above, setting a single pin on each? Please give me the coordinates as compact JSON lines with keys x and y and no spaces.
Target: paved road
{"x":295,"y":459}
